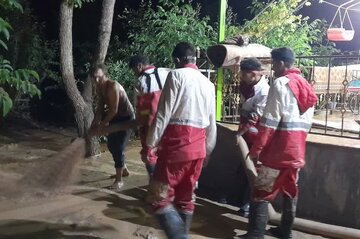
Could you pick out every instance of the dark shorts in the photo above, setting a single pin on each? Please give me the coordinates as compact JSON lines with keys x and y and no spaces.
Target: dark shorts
{"x":117,"y":143}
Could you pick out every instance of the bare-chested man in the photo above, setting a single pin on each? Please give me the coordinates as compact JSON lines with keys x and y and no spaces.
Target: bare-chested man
{"x":113,"y":107}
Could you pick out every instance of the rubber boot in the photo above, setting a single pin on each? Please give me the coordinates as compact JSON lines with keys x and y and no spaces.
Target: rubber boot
{"x":257,"y":220}
{"x":172,"y":224}
{"x":187,"y":218}
{"x":287,"y":219}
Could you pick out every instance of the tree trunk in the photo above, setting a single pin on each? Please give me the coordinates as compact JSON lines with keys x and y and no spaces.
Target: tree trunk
{"x":83,"y":113}
{"x":104,"y":30}
{"x":102,"y":46}
{"x":101,"y":51}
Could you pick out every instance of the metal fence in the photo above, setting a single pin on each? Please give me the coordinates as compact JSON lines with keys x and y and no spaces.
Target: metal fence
{"x":336,"y":80}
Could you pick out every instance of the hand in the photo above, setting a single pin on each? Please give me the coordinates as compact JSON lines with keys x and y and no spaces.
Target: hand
{"x":253,"y":118}
{"x":94,"y":130}
{"x":146,"y":158}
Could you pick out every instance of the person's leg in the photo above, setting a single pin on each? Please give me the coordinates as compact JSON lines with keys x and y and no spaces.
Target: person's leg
{"x":113,"y":146}
{"x":116,"y":145}
{"x":161,"y":195}
{"x":265,"y":190}
{"x":290,"y":195}
{"x":184,"y":192}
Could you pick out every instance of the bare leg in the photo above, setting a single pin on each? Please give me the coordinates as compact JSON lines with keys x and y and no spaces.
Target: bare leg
{"x":118,"y":184}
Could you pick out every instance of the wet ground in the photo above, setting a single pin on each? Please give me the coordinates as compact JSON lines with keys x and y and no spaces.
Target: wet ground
{"x":86,"y":208}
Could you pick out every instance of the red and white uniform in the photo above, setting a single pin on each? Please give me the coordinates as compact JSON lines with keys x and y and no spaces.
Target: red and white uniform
{"x":147,"y":92}
{"x":280,"y":145}
{"x":254,"y":101}
{"x":185,"y":133}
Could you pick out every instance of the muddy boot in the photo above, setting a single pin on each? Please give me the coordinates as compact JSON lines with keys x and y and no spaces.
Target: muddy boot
{"x":257,"y":220}
{"x":287,"y":219}
{"x":187,"y":218}
{"x":172,"y":224}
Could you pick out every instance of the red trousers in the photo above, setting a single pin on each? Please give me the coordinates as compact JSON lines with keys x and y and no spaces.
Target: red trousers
{"x":174,"y":183}
{"x":272,"y":181}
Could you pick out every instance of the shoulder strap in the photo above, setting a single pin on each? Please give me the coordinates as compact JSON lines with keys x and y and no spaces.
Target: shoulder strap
{"x":158,"y":78}
{"x":148,"y":81}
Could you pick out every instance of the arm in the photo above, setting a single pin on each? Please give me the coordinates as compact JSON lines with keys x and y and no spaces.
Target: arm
{"x":252,"y":118}
{"x":211,"y":129}
{"x":270,"y":119}
{"x":165,"y":108}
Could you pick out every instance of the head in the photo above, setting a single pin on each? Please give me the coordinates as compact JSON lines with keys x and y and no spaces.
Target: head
{"x":138,"y":63}
{"x":283,"y":59}
{"x":184,"y":53}
{"x":250,"y":70}
{"x":98,"y":73}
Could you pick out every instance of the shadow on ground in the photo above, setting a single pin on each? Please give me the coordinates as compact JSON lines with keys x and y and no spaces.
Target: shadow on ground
{"x":210,"y":220}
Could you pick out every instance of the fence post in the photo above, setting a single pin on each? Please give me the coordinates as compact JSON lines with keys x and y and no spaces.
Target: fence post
{"x":220,"y":72}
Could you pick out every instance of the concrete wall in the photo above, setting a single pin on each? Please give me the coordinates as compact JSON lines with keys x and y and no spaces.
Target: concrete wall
{"x":329,"y":183}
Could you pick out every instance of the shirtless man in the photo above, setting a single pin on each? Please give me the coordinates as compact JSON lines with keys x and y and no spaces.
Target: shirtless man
{"x":113,"y":107}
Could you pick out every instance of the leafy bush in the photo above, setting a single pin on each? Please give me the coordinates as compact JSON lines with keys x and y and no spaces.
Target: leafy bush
{"x":19,"y":80}
{"x":120,"y":72}
{"x":166,"y":25}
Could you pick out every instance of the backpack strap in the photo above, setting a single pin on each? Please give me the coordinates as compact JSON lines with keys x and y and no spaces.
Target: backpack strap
{"x":158,"y":78}
{"x":148,"y":81}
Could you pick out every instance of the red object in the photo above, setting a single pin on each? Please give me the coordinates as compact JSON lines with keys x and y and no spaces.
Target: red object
{"x":285,"y":182}
{"x":283,"y":146}
{"x":340,"y":34}
{"x":181,"y":143}
{"x":147,"y":104}
{"x":178,"y":183}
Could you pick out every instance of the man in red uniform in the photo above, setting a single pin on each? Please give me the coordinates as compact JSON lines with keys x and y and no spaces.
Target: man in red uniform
{"x":148,"y":89}
{"x":254,"y":90}
{"x":184,"y":133}
{"x":280,"y":145}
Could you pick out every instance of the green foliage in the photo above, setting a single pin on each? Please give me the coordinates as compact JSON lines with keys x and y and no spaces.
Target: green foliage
{"x":120,"y":72}
{"x":19,"y":80}
{"x":278,"y":26}
{"x":27,"y":47}
{"x":166,"y":25}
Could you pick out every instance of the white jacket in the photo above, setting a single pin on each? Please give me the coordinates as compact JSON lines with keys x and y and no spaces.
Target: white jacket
{"x":187,"y":104}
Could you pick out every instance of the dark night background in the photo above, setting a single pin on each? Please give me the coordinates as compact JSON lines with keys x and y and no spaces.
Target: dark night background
{"x":87,"y":18}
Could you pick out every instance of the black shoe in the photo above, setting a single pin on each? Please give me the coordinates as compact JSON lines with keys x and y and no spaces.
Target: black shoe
{"x":276,"y":232}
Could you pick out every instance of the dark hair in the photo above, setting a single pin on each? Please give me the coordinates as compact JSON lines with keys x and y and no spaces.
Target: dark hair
{"x":96,"y":67}
{"x":138,"y":59}
{"x":250,"y":64}
{"x":284,"y":54}
{"x":184,"y":50}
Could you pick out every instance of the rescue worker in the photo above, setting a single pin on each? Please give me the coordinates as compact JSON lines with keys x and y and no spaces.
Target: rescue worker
{"x":254,"y":90}
{"x":184,"y":134}
{"x":147,"y":91}
{"x":280,"y":145}
{"x":113,"y":106}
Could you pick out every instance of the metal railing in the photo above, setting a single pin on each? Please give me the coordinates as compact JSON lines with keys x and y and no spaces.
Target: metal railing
{"x":336,"y":80}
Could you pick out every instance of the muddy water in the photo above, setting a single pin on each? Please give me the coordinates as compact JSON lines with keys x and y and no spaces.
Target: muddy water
{"x":46,"y":176}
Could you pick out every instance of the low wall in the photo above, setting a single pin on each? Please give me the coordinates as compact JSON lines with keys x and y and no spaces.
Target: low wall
{"x":329,"y":183}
